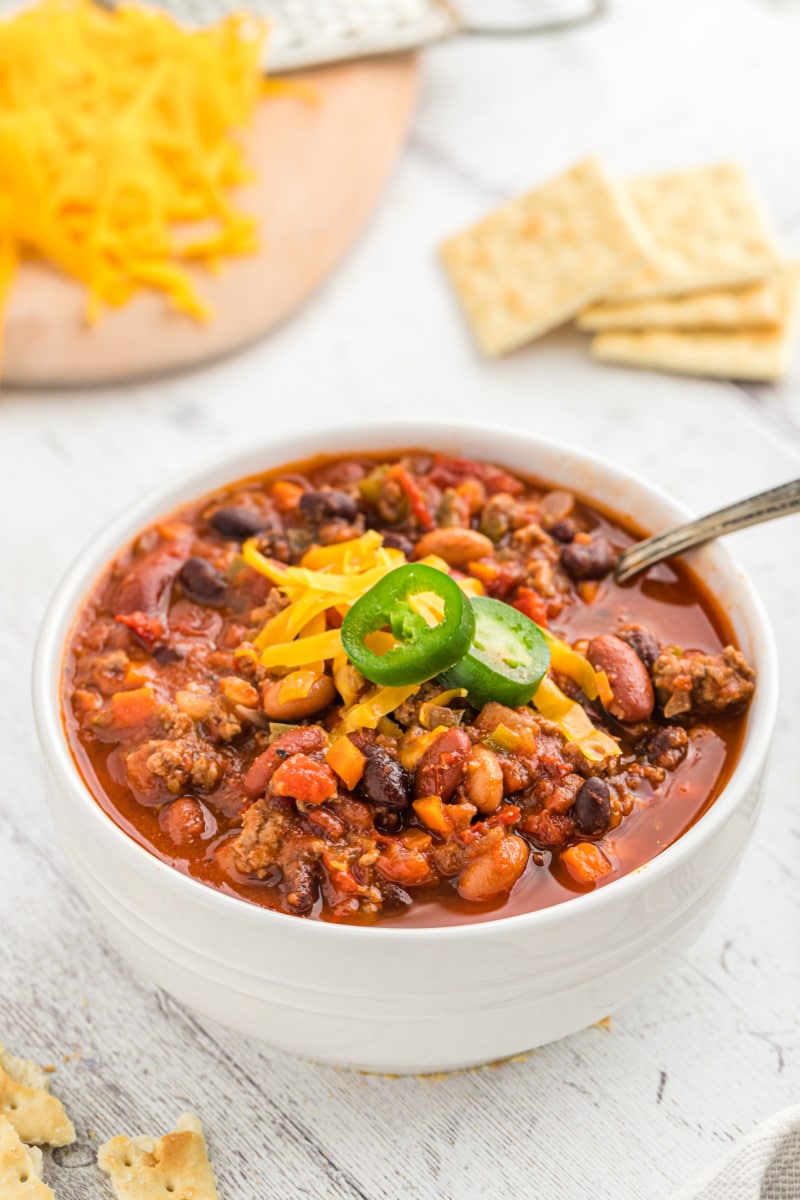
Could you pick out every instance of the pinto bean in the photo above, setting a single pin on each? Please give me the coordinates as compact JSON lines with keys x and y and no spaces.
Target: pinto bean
{"x":238,"y":523}
{"x":556,"y":506}
{"x":202,"y":582}
{"x":325,"y":506}
{"x":588,"y":560}
{"x":591,"y":811}
{"x":455,"y":545}
{"x":384,"y":783}
{"x":494,"y":874}
{"x":443,"y":765}
{"x":627,"y":674}
{"x":184,"y":820}
{"x":319,"y":696}
{"x":306,"y":740}
{"x":484,"y":782}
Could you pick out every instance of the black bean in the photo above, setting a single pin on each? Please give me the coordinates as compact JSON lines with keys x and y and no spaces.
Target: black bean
{"x":588,"y":560}
{"x":385,"y":782}
{"x":642,"y":642}
{"x":238,"y":523}
{"x":398,"y":541}
{"x":591,"y":811}
{"x":165,"y":655}
{"x":202,"y":582}
{"x":563,"y":530}
{"x":393,"y":895}
{"x":324,"y":506}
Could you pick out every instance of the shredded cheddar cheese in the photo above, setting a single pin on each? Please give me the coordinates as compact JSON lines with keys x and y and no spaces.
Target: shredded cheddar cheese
{"x":116,"y":138}
{"x":573,"y":722}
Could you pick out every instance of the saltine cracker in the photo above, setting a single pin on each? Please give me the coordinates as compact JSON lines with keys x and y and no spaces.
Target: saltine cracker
{"x":757,"y":306}
{"x":20,"y":1167}
{"x":536,"y":262}
{"x":753,"y":354}
{"x":709,"y":230}
{"x":25,"y":1099}
{"x":145,"y":1168}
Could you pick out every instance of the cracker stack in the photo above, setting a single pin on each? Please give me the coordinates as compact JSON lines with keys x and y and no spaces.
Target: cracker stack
{"x":675,"y":272}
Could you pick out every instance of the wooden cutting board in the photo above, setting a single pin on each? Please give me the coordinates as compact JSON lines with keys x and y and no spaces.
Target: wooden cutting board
{"x":320,"y":169}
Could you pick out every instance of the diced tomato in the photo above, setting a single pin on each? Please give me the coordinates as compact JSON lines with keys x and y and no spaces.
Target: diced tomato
{"x":404,"y":866}
{"x":449,"y":472}
{"x":305,"y":780}
{"x":148,"y":629}
{"x":531,"y":604}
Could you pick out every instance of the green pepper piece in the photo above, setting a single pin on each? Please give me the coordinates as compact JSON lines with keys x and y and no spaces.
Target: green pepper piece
{"x":424,"y":651}
{"x":507,"y":660}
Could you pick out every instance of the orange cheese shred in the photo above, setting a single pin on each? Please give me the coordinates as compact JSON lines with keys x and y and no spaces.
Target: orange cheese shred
{"x":118,"y":147}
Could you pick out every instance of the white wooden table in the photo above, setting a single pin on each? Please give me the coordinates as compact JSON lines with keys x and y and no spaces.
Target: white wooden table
{"x":627,"y":1112}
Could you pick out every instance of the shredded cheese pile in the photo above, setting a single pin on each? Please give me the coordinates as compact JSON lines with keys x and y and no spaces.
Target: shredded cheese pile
{"x":116,"y":128}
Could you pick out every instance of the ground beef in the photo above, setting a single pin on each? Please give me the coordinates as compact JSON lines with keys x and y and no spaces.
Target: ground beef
{"x":158,"y":770}
{"x":666,"y":747}
{"x":690,"y":682}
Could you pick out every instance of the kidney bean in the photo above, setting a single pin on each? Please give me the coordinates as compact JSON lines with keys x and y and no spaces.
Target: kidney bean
{"x":588,"y":560}
{"x":238,"y":523}
{"x":591,"y":811}
{"x":306,"y":740}
{"x":398,"y":541}
{"x":184,"y":820}
{"x":324,"y":506}
{"x":642,"y":641}
{"x":202,"y":582}
{"x":300,"y":885}
{"x":455,"y":545}
{"x":385,"y":783}
{"x":633,"y":692}
{"x":563,"y":531}
{"x":321,"y":693}
{"x":145,"y":586}
{"x":494,"y":873}
{"x":338,"y":474}
{"x":443,"y":765}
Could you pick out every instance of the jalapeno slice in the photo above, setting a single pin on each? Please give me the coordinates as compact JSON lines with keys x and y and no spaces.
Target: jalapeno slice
{"x":422,"y":650}
{"x":507,"y":660}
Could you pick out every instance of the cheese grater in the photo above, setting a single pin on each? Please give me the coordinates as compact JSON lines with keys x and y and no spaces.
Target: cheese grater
{"x":307,"y":33}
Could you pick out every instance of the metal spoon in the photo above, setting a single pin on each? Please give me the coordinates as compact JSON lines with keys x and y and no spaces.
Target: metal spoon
{"x":777,"y":502}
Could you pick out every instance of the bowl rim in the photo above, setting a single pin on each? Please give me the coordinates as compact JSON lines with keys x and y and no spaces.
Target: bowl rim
{"x":215,"y":471}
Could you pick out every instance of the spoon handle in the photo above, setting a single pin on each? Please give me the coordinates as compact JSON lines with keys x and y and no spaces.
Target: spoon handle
{"x":777,"y":502}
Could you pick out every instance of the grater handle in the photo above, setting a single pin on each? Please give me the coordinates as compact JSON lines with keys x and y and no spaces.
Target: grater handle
{"x":593,"y":10}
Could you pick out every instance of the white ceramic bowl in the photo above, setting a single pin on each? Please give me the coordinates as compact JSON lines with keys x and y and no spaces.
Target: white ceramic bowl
{"x":406,"y":1000}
